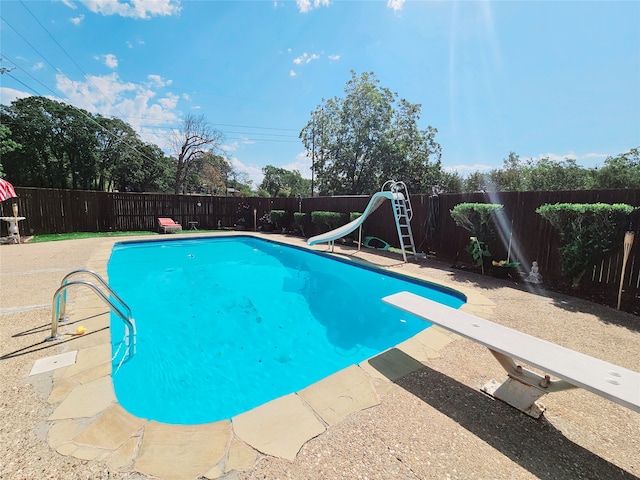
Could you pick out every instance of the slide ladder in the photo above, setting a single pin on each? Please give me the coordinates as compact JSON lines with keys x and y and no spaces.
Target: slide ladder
{"x":403,"y":213}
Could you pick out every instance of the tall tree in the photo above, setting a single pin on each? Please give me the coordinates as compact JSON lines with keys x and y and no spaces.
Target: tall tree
{"x":280,"y":182}
{"x":195,"y":139}
{"x":546,"y":174}
{"x":6,"y":144}
{"x":39,"y":163}
{"x":215,"y":174}
{"x":66,"y":147}
{"x":512,"y":176}
{"x":621,"y":171}
{"x":360,"y":141}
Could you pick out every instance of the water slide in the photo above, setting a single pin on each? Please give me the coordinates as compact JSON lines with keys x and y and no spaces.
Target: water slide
{"x":376,"y":200}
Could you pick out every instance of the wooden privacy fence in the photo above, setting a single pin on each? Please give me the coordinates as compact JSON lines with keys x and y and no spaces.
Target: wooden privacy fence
{"x":524,"y":235}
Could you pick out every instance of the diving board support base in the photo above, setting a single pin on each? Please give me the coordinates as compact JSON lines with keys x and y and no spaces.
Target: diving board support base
{"x":523,"y":388}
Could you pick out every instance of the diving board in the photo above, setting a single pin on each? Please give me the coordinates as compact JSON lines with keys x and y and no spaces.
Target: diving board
{"x":523,"y":388}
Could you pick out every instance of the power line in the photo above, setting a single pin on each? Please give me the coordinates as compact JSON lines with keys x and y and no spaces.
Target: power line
{"x":22,"y":83}
{"x":88,"y":77}
{"x":262,"y":128}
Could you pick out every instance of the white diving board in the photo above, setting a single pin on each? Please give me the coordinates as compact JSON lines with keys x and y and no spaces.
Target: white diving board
{"x":523,"y":387}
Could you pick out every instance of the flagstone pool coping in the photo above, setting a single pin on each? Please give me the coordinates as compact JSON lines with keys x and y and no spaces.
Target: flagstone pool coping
{"x":88,"y":423}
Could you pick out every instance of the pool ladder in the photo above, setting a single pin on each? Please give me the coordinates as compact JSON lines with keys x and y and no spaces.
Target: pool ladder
{"x":403,"y":213}
{"x":59,"y":307}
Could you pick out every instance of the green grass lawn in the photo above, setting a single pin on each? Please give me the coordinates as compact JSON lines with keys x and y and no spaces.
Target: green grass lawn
{"x":54,"y":237}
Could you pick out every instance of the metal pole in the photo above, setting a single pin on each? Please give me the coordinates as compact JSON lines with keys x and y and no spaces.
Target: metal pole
{"x":313,"y":151}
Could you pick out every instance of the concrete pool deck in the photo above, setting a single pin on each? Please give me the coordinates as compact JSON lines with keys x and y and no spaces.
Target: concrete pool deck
{"x":380,"y":406}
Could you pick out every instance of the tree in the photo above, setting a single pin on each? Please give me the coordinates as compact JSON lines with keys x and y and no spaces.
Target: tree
{"x":215,"y":174}
{"x":6,"y":144}
{"x":449,"y":182}
{"x":511,"y":178}
{"x":587,"y":232}
{"x":477,"y":182}
{"x":360,"y":141}
{"x":279,"y":182}
{"x":240,"y":182}
{"x":66,"y":147}
{"x":622,"y":171}
{"x":546,"y":174}
{"x":195,"y":139}
{"x":33,"y":125}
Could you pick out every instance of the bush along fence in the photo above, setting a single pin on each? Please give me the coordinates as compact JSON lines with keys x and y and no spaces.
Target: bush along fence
{"x":519,"y":230}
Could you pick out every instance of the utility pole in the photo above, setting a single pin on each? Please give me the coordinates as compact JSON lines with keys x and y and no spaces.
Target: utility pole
{"x":313,"y":149}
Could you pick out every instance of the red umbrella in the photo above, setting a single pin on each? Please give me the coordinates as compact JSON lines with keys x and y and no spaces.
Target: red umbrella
{"x":6,"y":190}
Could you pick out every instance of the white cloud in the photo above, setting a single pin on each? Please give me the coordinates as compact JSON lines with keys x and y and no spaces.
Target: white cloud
{"x":554,"y":157}
{"x":134,"y":8}
{"x":302,"y":164}
{"x":38,"y":66}
{"x":597,"y":156}
{"x":307,"y":5}
{"x":232,"y":147}
{"x":77,"y":20}
{"x":305,"y":58}
{"x":467,"y":169}
{"x":158,"y":81}
{"x":395,"y":5}
{"x":8,"y":95}
{"x":587,"y":160}
{"x":138,"y":105}
{"x":110,"y":60}
{"x":292,"y":73}
{"x":334,"y":58}
{"x":253,"y":173}
{"x":69,"y":4}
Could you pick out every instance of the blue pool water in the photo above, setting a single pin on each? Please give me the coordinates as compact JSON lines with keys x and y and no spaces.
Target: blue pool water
{"x":226,"y":324}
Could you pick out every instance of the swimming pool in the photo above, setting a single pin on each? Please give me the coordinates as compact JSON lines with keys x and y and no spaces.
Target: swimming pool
{"x":226,"y":324}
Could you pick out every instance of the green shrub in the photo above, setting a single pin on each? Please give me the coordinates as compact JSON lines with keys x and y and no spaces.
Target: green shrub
{"x":587,"y":232}
{"x":299,"y":220}
{"x":326,"y":221}
{"x":479,"y":220}
{"x":277,"y":217}
{"x":476,"y":218}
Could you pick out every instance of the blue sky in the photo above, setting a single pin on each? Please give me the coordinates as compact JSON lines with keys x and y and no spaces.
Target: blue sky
{"x":543,"y":79}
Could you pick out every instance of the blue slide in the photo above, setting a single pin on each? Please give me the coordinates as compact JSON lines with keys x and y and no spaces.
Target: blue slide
{"x":377,"y":200}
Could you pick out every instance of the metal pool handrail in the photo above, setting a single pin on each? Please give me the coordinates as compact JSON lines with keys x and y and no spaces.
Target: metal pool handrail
{"x":97,"y":277}
{"x":57,"y":309}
